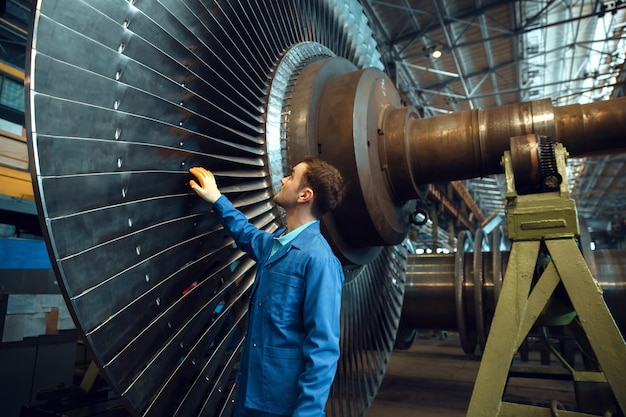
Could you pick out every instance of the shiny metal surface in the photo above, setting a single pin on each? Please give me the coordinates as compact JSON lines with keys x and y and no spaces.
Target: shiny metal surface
{"x":388,"y":152}
{"x":370,"y":315}
{"x":431,"y":284}
{"x":125,"y":96}
{"x":281,"y":143}
{"x":348,"y":133}
{"x":470,"y":144}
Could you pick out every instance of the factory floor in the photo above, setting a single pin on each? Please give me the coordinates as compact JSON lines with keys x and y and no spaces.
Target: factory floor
{"x":435,"y":378}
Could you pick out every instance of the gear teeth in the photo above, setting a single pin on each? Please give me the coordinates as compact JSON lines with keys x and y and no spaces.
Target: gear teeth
{"x":550,"y":177}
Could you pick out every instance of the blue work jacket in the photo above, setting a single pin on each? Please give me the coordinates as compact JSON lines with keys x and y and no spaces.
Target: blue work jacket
{"x":292,"y":342}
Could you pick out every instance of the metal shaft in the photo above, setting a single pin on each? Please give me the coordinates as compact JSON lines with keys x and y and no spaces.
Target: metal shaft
{"x":388,"y":152}
{"x":470,"y":144}
{"x":429,"y":301}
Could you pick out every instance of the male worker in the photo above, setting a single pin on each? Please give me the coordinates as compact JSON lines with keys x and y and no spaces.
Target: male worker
{"x":292,"y":342}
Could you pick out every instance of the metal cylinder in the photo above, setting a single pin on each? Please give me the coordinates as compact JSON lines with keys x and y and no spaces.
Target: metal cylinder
{"x":386,"y":151}
{"x":356,"y":121}
{"x":586,"y":129}
{"x":470,"y":144}
{"x":352,"y":105}
{"x":430,"y":303}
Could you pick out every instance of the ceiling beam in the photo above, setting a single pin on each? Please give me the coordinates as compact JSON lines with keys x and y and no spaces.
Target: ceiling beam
{"x":437,"y":24}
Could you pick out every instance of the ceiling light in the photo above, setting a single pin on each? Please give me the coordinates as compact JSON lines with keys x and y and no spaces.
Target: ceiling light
{"x":436,"y":53}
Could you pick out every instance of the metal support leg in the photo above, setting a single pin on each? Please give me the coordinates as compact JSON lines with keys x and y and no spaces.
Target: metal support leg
{"x":518,"y":309}
{"x":596,"y":319}
{"x":504,"y":336}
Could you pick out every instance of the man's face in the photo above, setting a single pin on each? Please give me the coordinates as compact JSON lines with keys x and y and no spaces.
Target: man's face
{"x":290,"y":188}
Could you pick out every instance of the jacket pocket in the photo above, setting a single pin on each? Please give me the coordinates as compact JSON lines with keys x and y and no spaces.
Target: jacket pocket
{"x":285,"y":298}
{"x":282,"y":369}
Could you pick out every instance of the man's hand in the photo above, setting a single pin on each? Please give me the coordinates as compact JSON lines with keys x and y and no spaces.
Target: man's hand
{"x":207,"y":189}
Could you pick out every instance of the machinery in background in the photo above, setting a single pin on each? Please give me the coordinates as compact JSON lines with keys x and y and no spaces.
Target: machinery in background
{"x":547,"y":281}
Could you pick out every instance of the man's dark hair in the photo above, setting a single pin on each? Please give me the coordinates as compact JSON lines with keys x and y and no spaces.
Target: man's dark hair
{"x":327,"y":184}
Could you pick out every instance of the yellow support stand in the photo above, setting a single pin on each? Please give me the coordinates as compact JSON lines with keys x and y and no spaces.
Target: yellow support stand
{"x":90,"y":376}
{"x":522,"y":300}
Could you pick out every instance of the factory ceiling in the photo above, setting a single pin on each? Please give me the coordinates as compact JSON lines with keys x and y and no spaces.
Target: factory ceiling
{"x":450,"y":56}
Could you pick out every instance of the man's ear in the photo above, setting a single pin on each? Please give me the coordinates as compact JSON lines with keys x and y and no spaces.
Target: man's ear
{"x":306,"y":194}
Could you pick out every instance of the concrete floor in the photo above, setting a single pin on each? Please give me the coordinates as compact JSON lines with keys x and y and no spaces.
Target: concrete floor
{"x":435,"y":378}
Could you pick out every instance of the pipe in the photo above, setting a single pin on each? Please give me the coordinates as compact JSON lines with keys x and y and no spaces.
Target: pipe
{"x":429,"y":300}
{"x":470,"y":144}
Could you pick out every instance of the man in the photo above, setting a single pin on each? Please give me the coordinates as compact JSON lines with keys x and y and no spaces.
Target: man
{"x":292,"y":341}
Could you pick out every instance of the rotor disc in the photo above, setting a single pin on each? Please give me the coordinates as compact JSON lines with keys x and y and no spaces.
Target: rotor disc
{"x":123,"y":97}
